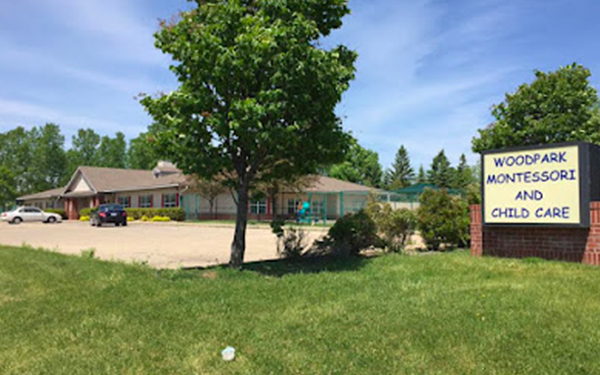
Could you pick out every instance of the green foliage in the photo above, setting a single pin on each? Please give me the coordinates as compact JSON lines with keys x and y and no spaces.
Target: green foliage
{"x":473,"y":193}
{"x":402,"y":173}
{"x":84,"y":150}
{"x":88,"y":253}
{"x":142,"y":152}
{"x":441,"y":173}
{"x":174,"y":214}
{"x":556,"y":107}
{"x":257,"y":93}
{"x":112,"y":152}
{"x":48,"y":165}
{"x":395,"y":227}
{"x":84,"y":218}
{"x":8,"y":190}
{"x":422,"y":176}
{"x":464,"y":175}
{"x":443,"y":219}
{"x":353,"y":233}
{"x":57,"y":211}
{"x":360,"y":166}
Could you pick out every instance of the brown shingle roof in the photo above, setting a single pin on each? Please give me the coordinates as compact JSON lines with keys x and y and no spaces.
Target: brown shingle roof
{"x":113,"y":179}
{"x":52,"y":193}
{"x":324,"y":184}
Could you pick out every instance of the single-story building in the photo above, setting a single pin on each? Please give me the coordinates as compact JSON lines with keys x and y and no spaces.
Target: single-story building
{"x":167,"y":186}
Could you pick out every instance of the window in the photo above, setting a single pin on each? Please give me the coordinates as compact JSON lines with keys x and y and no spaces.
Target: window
{"x":146,"y":201}
{"x":292,"y":206}
{"x":316,"y":207}
{"x":170,"y":200}
{"x":258,"y":207}
{"x":32,"y":211}
{"x":125,"y":201}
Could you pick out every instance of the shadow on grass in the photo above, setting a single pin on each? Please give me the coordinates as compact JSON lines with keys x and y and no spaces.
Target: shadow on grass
{"x":305,"y":265}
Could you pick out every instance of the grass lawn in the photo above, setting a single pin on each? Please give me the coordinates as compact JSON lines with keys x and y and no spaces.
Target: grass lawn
{"x":431,"y":314}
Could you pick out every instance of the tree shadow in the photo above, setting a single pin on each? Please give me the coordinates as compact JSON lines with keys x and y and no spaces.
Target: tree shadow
{"x":307,"y":265}
{"x":303,"y":265}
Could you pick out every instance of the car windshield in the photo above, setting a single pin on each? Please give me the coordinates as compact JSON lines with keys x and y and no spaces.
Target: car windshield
{"x":112,"y":207}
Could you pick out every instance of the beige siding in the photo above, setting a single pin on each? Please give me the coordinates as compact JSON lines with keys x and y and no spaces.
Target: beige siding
{"x":45,"y":203}
{"x":80,"y":185}
{"x":156,"y":196}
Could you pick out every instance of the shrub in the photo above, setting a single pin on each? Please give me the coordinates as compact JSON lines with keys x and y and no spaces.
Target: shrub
{"x":443,"y":219}
{"x":84,"y":218}
{"x":353,"y":233}
{"x":395,"y":227}
{"x":57,"y":211}
{"x":161,"y":218}
{"x":86,"y":211}
{"x":174,"y":214}
{"x":145,"y":218}
{"x":291,"y":243}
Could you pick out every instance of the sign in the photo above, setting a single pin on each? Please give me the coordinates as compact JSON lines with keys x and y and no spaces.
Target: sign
{"x":547,"y":185}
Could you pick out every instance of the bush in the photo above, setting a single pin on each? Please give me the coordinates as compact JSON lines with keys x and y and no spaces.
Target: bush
{"x":57,"y":211}
{"x":174,"y":214}
{"x":291,"y":243}
{"x":84,"y":218}
{"x":443,"y":219}
{"x":86,"y":211}
{"x":395,"y":227}
{"x":353,"y":233}
{"x":145,"y":218}
{"x":160,"y":219}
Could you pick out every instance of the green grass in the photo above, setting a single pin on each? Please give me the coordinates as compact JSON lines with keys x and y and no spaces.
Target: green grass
{"x":436,"y":314}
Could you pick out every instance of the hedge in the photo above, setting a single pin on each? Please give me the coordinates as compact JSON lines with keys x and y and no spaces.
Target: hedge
{"x":57,"y":211}
{"x":175,"y":214}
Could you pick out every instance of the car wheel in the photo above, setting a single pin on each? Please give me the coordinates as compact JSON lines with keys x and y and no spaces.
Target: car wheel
{"x":51,"y":220}
{"x":17,"y":220}
{"x":98,"y":224}
{"x":117,"y":224}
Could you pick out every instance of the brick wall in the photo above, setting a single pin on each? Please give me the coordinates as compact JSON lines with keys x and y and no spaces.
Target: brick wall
{"x":567,"y":244}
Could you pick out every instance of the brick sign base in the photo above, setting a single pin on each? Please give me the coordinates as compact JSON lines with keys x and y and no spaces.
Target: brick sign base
{"x":580,"y":245}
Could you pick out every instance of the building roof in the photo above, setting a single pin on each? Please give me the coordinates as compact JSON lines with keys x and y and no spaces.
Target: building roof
{"x":324,"y":184}
{"x":52,"y":193}
{"x":420,"y":188}
{"x":114,"y":179}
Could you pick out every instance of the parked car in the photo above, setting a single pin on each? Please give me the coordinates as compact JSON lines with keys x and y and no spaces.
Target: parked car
{"x":109,"y":213}
{"x":28,"y":214}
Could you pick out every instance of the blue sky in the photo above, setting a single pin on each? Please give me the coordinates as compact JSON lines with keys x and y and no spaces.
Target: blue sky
{"x":428,"y":71}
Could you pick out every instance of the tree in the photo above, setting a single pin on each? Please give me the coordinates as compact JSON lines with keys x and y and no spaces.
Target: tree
{"x":257,"y":93}
{"x":48,"y":165}
{"x":8,"y":191}
{"x":463,"y":176}
{"x":16,"y":147}
{"x":557,"y":107}
{"x":142,"y":152}
{"x":441,"y":173}
{"x":402,"y":173}
{"x":112,"y":152}
{"x":208,"y":189}
{"x":84,"y":150}
{"x":422,"y":176}
{"x":360,"y":166}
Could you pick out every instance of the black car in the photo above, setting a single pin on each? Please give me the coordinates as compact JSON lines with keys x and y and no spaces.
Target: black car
{"x":109,"y":213}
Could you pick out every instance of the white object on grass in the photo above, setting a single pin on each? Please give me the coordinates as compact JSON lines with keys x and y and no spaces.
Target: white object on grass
{"x":228,"y":353}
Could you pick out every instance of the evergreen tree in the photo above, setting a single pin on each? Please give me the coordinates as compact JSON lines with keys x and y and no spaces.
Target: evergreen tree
{"x":464,"y":174}
{"x":422,"y":176}
{"x":402,"y":173}
{"x":441,"y":173}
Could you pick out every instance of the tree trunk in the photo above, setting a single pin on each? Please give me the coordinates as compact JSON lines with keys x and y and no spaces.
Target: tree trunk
{"x":238,"y":247}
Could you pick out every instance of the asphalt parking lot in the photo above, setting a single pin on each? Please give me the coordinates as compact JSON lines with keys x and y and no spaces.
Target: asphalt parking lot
{"x":161,"y":245}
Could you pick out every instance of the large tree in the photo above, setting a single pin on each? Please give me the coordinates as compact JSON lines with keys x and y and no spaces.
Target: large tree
{"x":142,"y":152}
{"x":112,"y":152}
{"x":422,"y":176}
{"x":48,"y":165}
{"x":8,"y":188}
{"x":360,"y":166}
{"x":441,"y":173}
{"x":16,"y":148}
{"x":464,"y":175}
{"x":557,"y":107}
{"x":402,"y":173}
{"x":257,"y":93}
{"x":84,"y":150}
